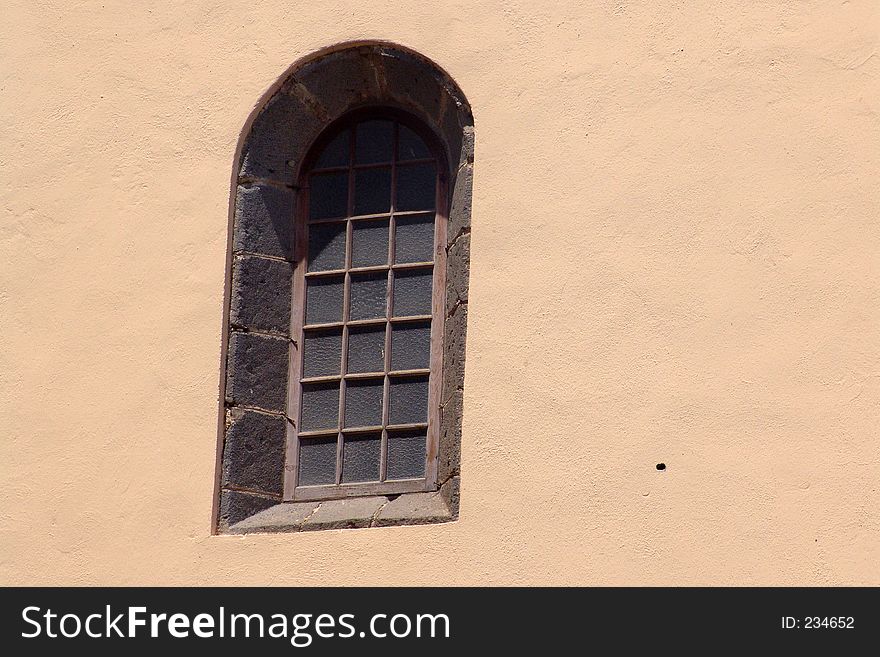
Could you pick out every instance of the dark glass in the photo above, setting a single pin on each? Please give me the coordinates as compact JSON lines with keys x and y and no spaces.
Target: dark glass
{"x":322,"y":353}
{"x":317,"y":461}
{"x":363,"y":403}
{"x":410,"y":146}
{"x":328,"y":195}
{"x":372,"y":190}
{"x":368,"y":295}
{"x":320,"y":406}
{"x":374,"y":142}
{"x":360,"y":457}
{"x":335,"y":153}
{"x":406,"y":455}
{"x":324,"y":300}
{"x":414,"y":239}
{"x":409,"y":400}
{"x":411,"y":346}
{"x":366,"y":349}
{"x":412,"y":292}
{"x":416,"y":187}
{"x":326,"y":246}
{"x":369,"y":243}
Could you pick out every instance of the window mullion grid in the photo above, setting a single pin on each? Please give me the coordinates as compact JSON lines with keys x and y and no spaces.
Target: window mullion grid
{"x":389,"y":300}
{"x":346,"y":309}
{"x":348,"y":271}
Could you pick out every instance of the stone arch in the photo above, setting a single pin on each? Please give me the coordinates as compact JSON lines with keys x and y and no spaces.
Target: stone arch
{"x":312,"y":95}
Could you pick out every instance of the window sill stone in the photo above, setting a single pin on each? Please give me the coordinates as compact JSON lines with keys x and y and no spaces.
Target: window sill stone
{"x":349,"y":513}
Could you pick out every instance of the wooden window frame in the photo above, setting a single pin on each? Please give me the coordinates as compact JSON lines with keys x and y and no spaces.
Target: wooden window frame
{"x":292,"y":492}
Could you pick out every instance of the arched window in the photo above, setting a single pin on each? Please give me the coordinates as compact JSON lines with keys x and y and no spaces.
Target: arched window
{"x":344,"y":340}
{"x":369,"y":295}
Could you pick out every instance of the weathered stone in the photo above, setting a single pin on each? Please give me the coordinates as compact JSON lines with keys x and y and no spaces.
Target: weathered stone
{"x":460,"y":209}
{"x":344,"y":514}
{"x":256,"y":372}
{"x":450,"y":491}
{"x":411,"y":81}
{"x":279,"y":138}
{"x":284,"y":517}
{"x":454,"y":342}
{"x":458,"y":270}
{"x":451,"y":132}
{"x":261,"y":291}
{"x":264,"y":220}
{"x":414,"y":509}
{"x":467,"y":144}
{"x":450,"y":436}
{"x":253,"y":455}
{"x":342,"y":80}
{"x":236,"y":506}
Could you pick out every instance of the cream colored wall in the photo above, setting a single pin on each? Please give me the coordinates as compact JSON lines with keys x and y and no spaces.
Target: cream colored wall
{"x":675,"y":258}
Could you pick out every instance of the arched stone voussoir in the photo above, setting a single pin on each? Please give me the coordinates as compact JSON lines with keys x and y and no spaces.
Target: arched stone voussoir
{"x":330,"y":85}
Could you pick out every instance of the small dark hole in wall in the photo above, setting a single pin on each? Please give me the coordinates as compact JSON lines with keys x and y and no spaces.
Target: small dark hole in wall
{"x":661,"y":466}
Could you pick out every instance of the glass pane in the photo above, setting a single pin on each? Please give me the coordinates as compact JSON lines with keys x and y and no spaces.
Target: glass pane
{"x":406,"y":455}
{"x":335,"y":154}
{"x":324,"y":300}
{"x":326,"y":246}
{"x":328,"y":195}
{"x":363,"y":403}
{"x":410,"y":346}
{"x":320,"y":406}
{"x":374,"y":142}
{"x":414,"y":241}
{"x":410,"y":145}
{"x":360,"y":458}
{"x":412,"y":292}
{"x":366,"y":350}
{"x":416,"y":187}
{"x":322,"y":353}
{"x":372,"y":191}
{"x":317,"y":461}
{"x":369,"y":243}
{"x":368,"y":292}
{"x":409,"y":400}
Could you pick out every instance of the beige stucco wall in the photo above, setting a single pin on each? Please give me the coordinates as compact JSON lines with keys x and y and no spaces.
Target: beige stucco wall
{"x":675,"y":258}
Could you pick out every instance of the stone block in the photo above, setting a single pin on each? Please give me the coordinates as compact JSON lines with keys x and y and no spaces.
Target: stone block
{"x":256,"y":372}
{"x":414,"y":509}
{"x":347,"y":513}
{"x":458,"y":270}
{"x":454,"y":342}
{"x":450,"y":492}
{"x":284,"y":517}
{"x":264,"y":220}
{"x":235,"y":507}
{"x":342,"y":81}
{"x":253,"y":454}
{"x":279,"y":137}
{"x":460,"y":208}
{"x":449,"y":459}
{"x":261,"y":293}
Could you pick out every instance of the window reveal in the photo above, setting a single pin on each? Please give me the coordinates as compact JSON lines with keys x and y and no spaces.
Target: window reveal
{"x":368,"y":315}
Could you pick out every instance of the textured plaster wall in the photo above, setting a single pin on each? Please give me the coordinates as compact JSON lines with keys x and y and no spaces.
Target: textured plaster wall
{"x":675,"y":257}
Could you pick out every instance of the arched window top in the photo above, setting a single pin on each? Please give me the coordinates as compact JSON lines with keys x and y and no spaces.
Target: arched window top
{"x":370,"y":149}
{"x":325,"y":87}
{"x":348,"y":288}
{"x":373,"y":137}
